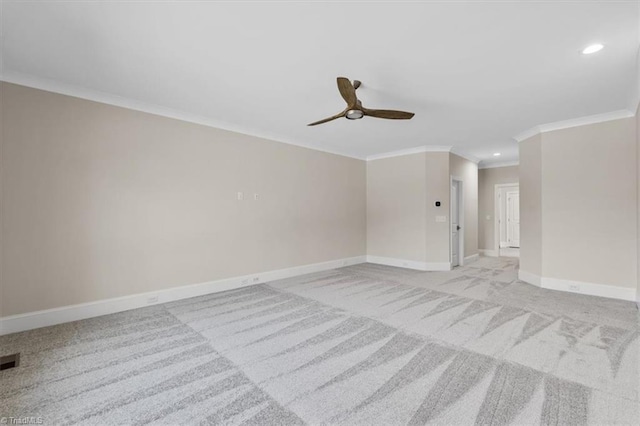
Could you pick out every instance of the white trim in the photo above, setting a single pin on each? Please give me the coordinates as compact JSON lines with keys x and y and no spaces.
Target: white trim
{"x":473,"y":159}
{"x":529,"y":133}
{"x":510,"y":252}
{"x":31,"y":320}
{"x":149,"y":108}
{"x":591,"y":289}
{"x":497,"y":165}
{"x":578,"y":287}
{"x":574,"y":122}
{"x":589,"y":119}
{"x":489,"y":253}
{"x":409,"y":264}
{"x":497,"y":212}
{"x":437,"y":266}
{"x":409,"y":151}
{"x":530,"y":278}
{"x":471,"y":258}
{"x":425,"y":148}
{"x":635,"y":96}
{"x":461,"y":222}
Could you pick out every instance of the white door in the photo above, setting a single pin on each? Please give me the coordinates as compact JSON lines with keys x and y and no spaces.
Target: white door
{"x":513,"y":219}
{"x":455,"y":225}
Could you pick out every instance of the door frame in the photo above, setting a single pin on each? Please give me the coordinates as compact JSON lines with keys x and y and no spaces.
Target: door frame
{"x":496,"y":213}
{"x":460,"y":220}
{"x":508,"y":218}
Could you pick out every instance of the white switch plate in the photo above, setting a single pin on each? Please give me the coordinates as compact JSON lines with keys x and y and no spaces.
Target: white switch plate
{"x":255,"y":197}
{"x":441,"y":218}
{"x":240,"y":196}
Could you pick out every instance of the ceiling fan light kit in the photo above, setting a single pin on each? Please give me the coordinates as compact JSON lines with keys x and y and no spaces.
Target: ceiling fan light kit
{"x":355,"y":110}
{"x":354,"y":114}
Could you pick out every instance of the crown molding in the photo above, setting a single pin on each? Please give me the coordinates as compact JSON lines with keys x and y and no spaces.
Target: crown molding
{"x":469,"y":157}
{"x":500,"y":164}
{"x":409,"y":151}
{"x":589,"y":119}
{"x":425,"y":148}
{"x":136,"y":105}
{"x":575,"y":122}
{"x":520,"y":137}
{"x":149,"y":108}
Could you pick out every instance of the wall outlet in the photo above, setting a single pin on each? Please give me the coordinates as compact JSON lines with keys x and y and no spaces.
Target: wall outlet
{"x":441,"y":218}
{"x":152,"y":299}
{"x":245,"y":281}
{"x":344,"y":263}
{"x":574,"y":287}
{"x":256,"y":279}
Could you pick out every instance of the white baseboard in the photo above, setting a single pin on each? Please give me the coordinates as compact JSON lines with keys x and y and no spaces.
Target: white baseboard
{"x":591,"y":289}
{"x":437,"y":266}
{"x":31,"y":320}
{"x":410,"y":264}
{"x":472,"y":258}
{"x":509,"y":252}
{"x":530,"y":278}
{"x":579,"y":287}
{"x":490,"y":253}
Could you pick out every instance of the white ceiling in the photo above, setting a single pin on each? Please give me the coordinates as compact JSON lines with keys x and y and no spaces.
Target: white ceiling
{"x":475,"y":73}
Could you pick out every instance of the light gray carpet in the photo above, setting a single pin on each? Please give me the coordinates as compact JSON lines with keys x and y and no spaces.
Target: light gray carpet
{"x":363,"y":345}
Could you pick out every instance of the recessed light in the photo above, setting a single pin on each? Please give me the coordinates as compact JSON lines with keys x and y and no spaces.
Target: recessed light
{"x":496,"y":154}
{"x":592,"y":49}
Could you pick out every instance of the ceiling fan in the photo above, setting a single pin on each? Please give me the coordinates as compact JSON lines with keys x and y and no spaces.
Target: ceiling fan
{"x":355,"y":110}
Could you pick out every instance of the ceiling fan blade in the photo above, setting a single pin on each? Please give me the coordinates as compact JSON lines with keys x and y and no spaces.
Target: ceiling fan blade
{"x":327,"y":119}
{"x":347,"y":91}
{"x":388,"y":113}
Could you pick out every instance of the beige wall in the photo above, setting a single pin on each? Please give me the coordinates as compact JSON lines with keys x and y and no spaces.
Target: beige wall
{"x":530,"y":170}
{"x":396,"y":207}
{"x":589,"y":203}
{"x":100,"y":202}
{"x":636,"y":100}
{"x":468,"y":171}
{"x":401,"y":211}
{"x":579,"y":209}
{"x":638,"y":195}
{"x":438,"y":189}
{"x":487,"y":179}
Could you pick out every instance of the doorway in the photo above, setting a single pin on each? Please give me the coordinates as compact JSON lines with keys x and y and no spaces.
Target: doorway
{"x":457,"y":221}
{"x":507,"y":219}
